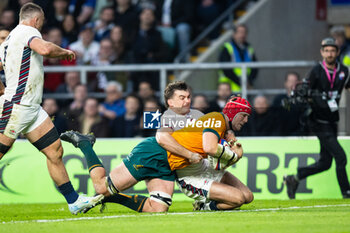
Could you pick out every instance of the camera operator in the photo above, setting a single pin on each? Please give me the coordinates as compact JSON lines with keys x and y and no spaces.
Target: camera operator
{"x":326,"y":81}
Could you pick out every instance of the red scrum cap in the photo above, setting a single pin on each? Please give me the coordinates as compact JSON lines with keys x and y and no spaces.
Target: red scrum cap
{"x":236,"y":105}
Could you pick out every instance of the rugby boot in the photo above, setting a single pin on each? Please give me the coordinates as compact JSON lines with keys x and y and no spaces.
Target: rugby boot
{"x":75,"y":137}
{"x":84,"y":202}
{"x":292,"y":185}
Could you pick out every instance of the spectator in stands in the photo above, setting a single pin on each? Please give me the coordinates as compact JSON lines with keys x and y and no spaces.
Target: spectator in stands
{"x":106,"y":56}
{"x":126,"y":15}
{"x":113,"y":105}
{"x":338,"y":33}
{"x":289,"y":120}
{"x":8,"y":19}
{"x":263,"y":119}
{"x":60,"y":12}
{"x":237,"y":50}
{"x":119,"y":45}
{"x":128,"y":125}
{"x":85,"y":48}
{"x":104,"y":24}
{"x":207,"y":11}
{"x":91,"y":120}
{"x":53,"y":80}
{"x":82,"y":10}
{"x":200,"y":102}
{"x":75,"y":109}
{"x":4,"y":32}
{"x":70,"y":28}
{"x":148,"y":47}
{"x":55,"y":36}
{"x":150,"y":105}
{"x":51,"y":107}
{"x":224,"y":92}
{"x":176,"y":15}
{"x":71,"y":80}
{"x":145,"y":91}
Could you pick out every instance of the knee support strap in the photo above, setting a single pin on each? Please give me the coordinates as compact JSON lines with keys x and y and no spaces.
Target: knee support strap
{"x":4,"y":148}
{"x":46,"y":140}
{"x":161,"y":197}
{"x":110,"y":186}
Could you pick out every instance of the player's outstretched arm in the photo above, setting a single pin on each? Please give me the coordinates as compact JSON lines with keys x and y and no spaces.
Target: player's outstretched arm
{"x":211,"y":146}
{"x":48,"y":49}
{"x":169,"y":143}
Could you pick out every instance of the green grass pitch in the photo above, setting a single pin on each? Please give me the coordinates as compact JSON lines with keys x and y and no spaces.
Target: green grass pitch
{"x":297,"y":216}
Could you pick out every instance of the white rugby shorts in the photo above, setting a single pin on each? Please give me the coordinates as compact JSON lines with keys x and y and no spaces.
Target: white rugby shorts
{"x":197,"y":185}
{"x":16,"y":118}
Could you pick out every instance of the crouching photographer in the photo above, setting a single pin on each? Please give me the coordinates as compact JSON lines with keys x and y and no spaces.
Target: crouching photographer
{"x":322,"y":90}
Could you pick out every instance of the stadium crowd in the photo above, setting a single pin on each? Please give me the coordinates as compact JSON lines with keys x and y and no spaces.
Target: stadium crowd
{"x":109,"y":32}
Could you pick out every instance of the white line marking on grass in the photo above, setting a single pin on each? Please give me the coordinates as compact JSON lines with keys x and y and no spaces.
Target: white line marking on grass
{"x":165,"y":214}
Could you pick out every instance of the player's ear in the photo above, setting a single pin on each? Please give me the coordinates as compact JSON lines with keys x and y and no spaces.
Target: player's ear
{"x":170,"y":102}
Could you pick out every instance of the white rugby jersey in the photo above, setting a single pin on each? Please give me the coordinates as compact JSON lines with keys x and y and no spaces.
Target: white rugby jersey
{"x":23,"y":67}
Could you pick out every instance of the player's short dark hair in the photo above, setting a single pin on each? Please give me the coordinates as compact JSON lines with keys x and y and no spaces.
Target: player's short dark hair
{"x":2,"y":28}
{"x":28,"y":10}
{"x":172,"y":87}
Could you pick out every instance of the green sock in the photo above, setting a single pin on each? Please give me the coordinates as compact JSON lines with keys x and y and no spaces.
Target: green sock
{"x":134,"y":202}
{"x":90,"y":155}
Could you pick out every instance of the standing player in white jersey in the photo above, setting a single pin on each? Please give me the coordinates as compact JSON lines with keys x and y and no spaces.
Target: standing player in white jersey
{"x":21,"y":57}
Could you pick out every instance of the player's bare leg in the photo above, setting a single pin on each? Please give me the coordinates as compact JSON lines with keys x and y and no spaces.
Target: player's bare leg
{"x":5,"y":143}
{"x":231,"y":180}
{"x":46,"y":139}
{"x":225,"y":196}
{"x":52,"y":152}
{"x":122,"y":178}
{"x":161,"y":192}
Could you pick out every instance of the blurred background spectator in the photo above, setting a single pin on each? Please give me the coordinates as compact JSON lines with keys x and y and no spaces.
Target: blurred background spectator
{"x":4,"y":32}
{"x":104,"y":24}
{"x":71,"y":81}
{"x":114,"y":105}
{"x":289,"y":120}
{"x":75,"y":108}
{"x":126,"y":15}
{"x":91,"y":120}
{"x":60,"y":12}
{"x":338,"y":33}
{"x":147,"y":47}
{"x":207,"y":11}
{"x":200,"y":102}
{"x":53,"y":80}
{"x":106,"y":56}
{"x":223,"y":93}
{"x":128,"y":124}
{"x":52,"y":109}
{"x":237,"y":50}
{"x":176,"y":16}
{"x":145,"y":91}
{"x":82,"y":10}
{"x":85,"y":47}
{"x":8,"y":19}
{"x":70,"y":28}
{"x":263,"y":120}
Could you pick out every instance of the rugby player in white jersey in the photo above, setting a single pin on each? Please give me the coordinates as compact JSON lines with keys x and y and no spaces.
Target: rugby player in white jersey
{"x":21,"y":57}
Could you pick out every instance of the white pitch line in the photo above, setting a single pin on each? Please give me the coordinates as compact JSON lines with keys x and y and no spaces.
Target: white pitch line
{"x":165,"y":214}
